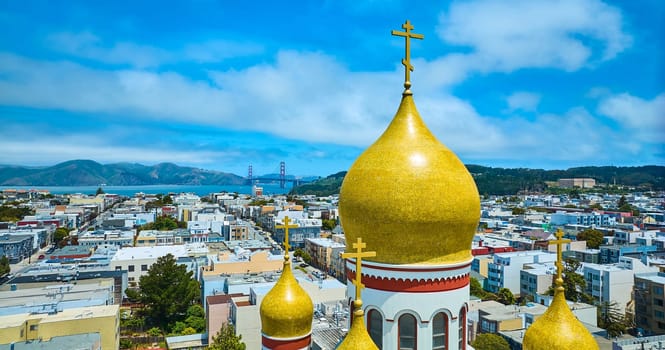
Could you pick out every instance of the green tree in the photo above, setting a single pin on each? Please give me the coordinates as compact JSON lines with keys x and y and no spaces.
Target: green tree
{"x":163,"y":223}
{"x":14,"y":212}
{"x":611,"y":319}
{"x":196,"y":318}
{"x":226,"y":339}
{"x":573,"y":282}
{"x":328,"y":224}
{"x":99,"y":191}
{"x":490,"y":341}
{"x":4,"y":265}
{"x":476,"y":289}
{"x":59,"y":236}
{"x":167,"y":290}
{"x":505,"y":296}
{"x":622,"y":201}
{"x":518,"y":211}
{"x":596,"y":206}
{"x":303,"y":255}
{"x":154,"y":332}
{"x":593,"y":238}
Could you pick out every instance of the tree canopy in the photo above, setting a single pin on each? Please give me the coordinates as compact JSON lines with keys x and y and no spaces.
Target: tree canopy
{"x":226,"y":339}
{"x":4,"y":265}
{"x":59,"y":236}
{"x":611,"y":319}
{"x":164,"y":223}
{"x":593,"y":238}
{"x":573,"y":282}
{"x":14,"y":213}
{"x":490,"y":341}
{"x":167,"y":291}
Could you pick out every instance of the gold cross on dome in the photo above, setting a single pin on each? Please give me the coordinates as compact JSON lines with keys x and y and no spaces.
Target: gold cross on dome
{"x":286,"y":228}
{"x":559,"y":254}
{"x":408,"y":68}
{"x":359,"y":254}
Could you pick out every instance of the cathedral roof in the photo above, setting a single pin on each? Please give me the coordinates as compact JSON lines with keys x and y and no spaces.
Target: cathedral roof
{"x":287,"y":310}
{"x":409,"y":196}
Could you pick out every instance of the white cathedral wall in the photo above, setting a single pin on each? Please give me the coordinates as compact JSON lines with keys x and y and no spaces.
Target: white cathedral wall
{"x":424,"y":306}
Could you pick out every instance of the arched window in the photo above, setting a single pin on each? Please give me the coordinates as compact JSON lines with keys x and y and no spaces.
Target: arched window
{"x":440,"y":332}
{"x":407,"y":332}
{"x":462,"y":329}
{"x":375,"y":326}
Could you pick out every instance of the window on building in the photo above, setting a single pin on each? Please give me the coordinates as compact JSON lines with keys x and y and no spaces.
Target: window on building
{"x":658,"y":314}
{"x":658,"y":290}
{"x":658,"y":302}
{"x":130,"y":268}
{"x":144,"y":267}
{"x":375,"y":326}
{"x":462,"y":329}
{"x":407,"y":332}
{"x":440,"y":332}
{"x":118,"y":268}
{"x":34,"y":327}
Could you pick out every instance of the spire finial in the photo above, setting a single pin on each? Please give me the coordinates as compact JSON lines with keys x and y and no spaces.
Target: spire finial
{"x":559,"y":258}
{"x":359,"y":254}
{"x":286,"y":227}
{"x":408,"y":68}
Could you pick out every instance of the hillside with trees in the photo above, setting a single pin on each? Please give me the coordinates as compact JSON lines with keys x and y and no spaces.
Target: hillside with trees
{"x":507,"y":181}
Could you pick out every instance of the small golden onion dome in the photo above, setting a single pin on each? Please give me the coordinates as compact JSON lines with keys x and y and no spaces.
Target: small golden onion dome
{"x":357,"y":338}
{"x":287,"y":310}
{"x":409,"y":197}
{"x":558,"y":329}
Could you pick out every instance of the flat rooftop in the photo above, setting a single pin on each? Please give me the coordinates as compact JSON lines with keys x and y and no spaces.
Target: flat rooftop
{"x":149,"y":252}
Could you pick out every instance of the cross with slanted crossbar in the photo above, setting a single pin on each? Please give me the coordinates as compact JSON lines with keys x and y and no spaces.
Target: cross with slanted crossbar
{"x":286,"y":228}
{"x":559,"y":253}
{"x":408,"y":68}
{"x":359,"y":254}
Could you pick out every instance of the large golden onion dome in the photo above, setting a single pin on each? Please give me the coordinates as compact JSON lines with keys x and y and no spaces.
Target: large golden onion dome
{"x":409,"y":197}
{"x":558,"y":329}
{"x":287,"y":310}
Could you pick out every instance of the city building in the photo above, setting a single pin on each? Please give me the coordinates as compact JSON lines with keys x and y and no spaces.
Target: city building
{"x":577,"y":182}
{"x":137,"y":260}
{"x":27,"y":327}
{"x":504,"y":270}
{"x":614,"y":283}
{"x":649,"y":299}
{"x":323,"y":252}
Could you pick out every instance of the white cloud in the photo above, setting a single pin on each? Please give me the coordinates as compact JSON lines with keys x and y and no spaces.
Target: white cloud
{"x":509,"y":35}
{"x":89,"y":46}
{"x":523,"y":100}
{"x":308,"y":97}
{"x":642,"y":118}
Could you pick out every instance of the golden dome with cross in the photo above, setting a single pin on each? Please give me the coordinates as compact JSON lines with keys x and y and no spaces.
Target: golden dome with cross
{"x":409,"y":196}
{"x":287,"y":310}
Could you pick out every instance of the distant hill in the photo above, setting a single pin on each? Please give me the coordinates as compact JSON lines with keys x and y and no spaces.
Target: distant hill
{"x":91,"y":173}
{"x":506,"y":181}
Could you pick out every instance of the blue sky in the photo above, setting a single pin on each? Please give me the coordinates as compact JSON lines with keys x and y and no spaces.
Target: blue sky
{"x":225,"y":84}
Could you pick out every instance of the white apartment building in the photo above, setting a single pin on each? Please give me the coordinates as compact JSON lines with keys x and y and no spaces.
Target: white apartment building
{"x":137,"y":260}
{"x":504,"y":270}
{"x":614,"y":282}
{"x":536,"y":279}
{"x":584,"y":219}
{"x":115,"y":238}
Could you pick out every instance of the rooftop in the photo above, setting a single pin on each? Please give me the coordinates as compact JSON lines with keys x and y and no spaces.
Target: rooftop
{"x":150,"y":252}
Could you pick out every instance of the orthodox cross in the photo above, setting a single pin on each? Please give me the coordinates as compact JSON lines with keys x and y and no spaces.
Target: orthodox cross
{"x":359,"y":254}
{"x":286,"y":228}
{"x":408,"y":68}
{"x":559,"y":255}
